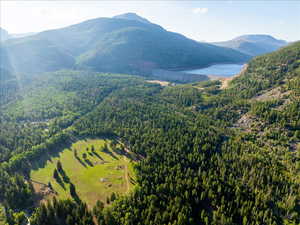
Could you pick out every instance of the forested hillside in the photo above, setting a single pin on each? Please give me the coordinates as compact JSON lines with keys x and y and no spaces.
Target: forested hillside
{"x":207,"y":155}
{"x":122,"y":44}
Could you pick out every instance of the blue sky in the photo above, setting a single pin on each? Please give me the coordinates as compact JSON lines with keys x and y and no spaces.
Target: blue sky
{"x":199,"y":20}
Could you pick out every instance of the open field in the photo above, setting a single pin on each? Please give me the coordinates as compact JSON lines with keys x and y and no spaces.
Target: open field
{"x":161,"y":83}
{"x":95,"y":174}
{"x":2,"y":216}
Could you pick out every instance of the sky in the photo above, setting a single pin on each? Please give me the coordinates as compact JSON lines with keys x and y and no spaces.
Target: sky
{"x":200,"y":20}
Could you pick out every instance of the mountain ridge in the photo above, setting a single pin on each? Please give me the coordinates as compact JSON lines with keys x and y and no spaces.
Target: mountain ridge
{"x":114,"y":45}
{"x":253,"y":44}
{"x":132,"y":16}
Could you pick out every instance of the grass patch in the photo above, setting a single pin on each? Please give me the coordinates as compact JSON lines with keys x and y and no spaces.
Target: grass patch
{"x":2,"y":216}
{"x":95,"y":174}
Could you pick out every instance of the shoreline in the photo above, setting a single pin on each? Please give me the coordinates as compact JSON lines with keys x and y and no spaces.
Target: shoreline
{"x":183,"y":69}
{"x":226,"y":80}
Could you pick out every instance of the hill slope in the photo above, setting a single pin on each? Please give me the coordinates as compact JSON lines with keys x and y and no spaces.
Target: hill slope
{"x":256,"y":44}
{"x":113,"y":45}
{"x":269,"y":71}
{"x":200,"y":163}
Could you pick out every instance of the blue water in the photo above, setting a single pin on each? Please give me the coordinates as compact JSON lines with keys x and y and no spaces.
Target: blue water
{"x":220,"y":70}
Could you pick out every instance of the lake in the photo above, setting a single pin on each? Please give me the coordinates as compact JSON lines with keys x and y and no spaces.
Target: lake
{"x":220,"y":70}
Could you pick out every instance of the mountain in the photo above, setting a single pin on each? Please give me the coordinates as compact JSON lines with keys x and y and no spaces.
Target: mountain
{"x":269,"y":71}
{"x":253,"y":45}
{"x":132,"y":16}
{"x":21,"y":35}
{"x":4,"y":35}
{"x":128,"y":44}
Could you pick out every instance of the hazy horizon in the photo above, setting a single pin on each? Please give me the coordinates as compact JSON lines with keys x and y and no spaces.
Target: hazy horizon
{"x":203,"y":21}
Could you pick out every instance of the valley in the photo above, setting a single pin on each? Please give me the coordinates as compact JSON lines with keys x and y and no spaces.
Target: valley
{"x":99,"y":128}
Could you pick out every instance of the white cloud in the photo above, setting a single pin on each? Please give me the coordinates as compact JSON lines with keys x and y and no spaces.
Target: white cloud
{"x":200,"y":10}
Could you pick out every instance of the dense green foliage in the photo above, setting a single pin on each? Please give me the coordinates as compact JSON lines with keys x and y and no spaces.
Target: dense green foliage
{"x":200,"y":163}
{"x":56,"y":101}
{"x":268,"y":71}
{"x":63,"y":212}
{"x":15,"y":192}
{"x":33,"y":123}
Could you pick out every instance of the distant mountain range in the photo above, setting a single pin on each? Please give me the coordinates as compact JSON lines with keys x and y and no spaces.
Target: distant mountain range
{"x":126,"y":43}
{"x":3,"y":35}
{"x":253,"y":45}
{"x":21,"y":35}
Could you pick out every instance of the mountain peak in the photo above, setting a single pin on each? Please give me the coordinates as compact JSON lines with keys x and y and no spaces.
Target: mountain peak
{"x":132,"y":16}
{"x":256,"y":37}
{"x":254,"y":44}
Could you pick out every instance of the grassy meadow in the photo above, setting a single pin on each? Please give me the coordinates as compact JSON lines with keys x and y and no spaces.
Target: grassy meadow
{"x":96,"y":174}
{"x":2,"y":216}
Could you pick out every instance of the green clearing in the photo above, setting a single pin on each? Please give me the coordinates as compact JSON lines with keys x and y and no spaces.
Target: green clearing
{"x":95,"y":178}
{"x":2,"y":216}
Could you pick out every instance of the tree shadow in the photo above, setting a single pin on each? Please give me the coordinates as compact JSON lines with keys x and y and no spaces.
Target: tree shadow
{"x":89,"y":162}
{"x":75,"y":196}
{"x":97,"y":155}
{"x":107,"y":151}
{"x":61,"y":183}
{"x":121,"y":151}
{"x":81,"y":162}
{"x":65,"y":177}
{"x":132,"y":181}
{"x":52,"y":152}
